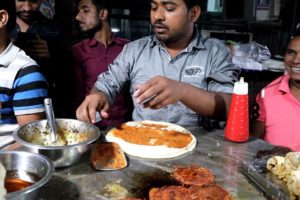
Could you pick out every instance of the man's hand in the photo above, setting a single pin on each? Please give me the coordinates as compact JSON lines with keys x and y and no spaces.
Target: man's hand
{"x":38,"y":48}
{"x":96,"y":100}
{"x":159,"y":92}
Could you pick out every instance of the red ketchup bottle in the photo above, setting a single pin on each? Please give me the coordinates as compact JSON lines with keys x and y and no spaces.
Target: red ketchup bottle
{"x":237,"y":126}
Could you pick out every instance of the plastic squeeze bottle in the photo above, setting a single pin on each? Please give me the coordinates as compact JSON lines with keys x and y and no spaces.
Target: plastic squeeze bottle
{"x":237,"y":126}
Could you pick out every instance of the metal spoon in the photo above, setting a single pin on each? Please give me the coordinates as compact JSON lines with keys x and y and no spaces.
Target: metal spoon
{"x":50,"y":118}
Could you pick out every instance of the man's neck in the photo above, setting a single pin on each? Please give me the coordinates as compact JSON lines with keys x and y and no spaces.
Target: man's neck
{"x":22,"y":24}
{"x":3,"y":41}
{"x":295,"y":89}
{"x":175,"y":47}
{"x":104,"y":35}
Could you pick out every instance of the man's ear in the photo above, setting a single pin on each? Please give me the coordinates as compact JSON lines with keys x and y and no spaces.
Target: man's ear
{"x":195,"y":13}
{"x":3,"y":18}
{"x":103,"y":13}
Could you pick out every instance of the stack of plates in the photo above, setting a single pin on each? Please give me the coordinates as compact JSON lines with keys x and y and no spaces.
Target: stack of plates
{"x":274,"y":65}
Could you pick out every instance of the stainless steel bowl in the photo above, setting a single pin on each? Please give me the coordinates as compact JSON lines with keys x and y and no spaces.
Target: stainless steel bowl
{"x":62,"y":156}
{"x":24,"y":163}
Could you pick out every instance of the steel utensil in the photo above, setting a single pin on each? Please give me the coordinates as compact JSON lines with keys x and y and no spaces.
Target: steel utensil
{"x":50,"y":118}
{"x":21,"y":163}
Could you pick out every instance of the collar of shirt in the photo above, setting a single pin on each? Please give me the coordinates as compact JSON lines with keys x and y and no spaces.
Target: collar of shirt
{"x":93,"y":42}
{"x":196,"y":42}
{"x":7,"y":56}
{"x":284,"y":85}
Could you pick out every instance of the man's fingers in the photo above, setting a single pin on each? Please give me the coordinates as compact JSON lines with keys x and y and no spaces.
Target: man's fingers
{"x":82,"y":115}
{"x":104,"y":110}
{"x":92,"y":115}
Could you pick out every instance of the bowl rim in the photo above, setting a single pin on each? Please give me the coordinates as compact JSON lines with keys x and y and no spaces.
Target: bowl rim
{"x":43,"y":147}
{"x":37,"y":184}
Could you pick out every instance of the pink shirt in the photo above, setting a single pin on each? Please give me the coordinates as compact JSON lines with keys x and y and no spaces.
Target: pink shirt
{"x":280,"y":111}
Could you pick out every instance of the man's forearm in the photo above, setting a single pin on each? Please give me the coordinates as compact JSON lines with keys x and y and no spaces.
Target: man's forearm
{"x":206,"y":104}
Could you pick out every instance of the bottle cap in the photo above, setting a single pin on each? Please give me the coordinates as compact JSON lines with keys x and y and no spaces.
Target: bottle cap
{"x":240,"y":87}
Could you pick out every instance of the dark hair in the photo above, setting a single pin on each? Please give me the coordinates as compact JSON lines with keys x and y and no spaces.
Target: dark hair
{"x":297,"y":31}
{"x":100,"y":4}
{"x":192,"y":3}
{"x":10,"y":7}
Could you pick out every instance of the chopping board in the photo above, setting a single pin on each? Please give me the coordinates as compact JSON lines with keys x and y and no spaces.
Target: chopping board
{"x":273,"y":187}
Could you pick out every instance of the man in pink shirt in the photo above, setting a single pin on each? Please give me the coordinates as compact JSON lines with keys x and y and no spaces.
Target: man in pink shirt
{"x":93,"y":55}
{"x":278,"y":104}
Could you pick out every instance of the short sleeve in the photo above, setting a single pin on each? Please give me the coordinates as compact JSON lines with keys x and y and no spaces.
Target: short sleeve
{"x":30,"y":91}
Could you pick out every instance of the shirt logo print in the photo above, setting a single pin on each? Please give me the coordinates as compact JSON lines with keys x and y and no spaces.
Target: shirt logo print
{"x":194,"y":71}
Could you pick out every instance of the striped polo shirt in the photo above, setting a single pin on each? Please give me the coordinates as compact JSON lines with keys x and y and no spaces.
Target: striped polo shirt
{"x":22,"y":86}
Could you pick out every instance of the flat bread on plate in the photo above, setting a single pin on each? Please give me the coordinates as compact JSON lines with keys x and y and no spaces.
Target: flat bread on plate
{"x":152,"y":139}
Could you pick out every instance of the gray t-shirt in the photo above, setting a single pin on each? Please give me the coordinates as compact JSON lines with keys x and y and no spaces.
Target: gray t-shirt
{"x":205,"y":63}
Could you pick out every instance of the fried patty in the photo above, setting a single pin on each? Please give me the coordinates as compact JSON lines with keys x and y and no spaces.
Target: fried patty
{"x":170,"y":193}
{"x":208,"y":192}
{"x":193,"y":175}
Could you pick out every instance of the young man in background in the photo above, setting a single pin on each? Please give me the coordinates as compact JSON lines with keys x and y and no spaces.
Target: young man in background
{"x":45,"y":41}
{"x":92,"y":56}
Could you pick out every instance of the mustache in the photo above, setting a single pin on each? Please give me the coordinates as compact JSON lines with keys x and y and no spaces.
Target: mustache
{"x":81,"y":23}
{"x":25,"y":15}
{"x":159,"y":24}
{"x":26,"y":12}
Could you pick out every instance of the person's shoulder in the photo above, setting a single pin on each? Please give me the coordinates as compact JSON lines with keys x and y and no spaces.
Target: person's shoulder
{"x":21,"y":59}
{"x":273,"y":86}
{"x":275,"y":82}
{"x":121,"y":40}
{"x":45,"y":26}
{"x":141,"y":42}
{"x":213,"y":42}
{"x":80,"y":44}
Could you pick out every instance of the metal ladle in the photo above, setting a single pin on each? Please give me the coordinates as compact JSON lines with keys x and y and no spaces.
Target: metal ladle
{"x":50,"y":118}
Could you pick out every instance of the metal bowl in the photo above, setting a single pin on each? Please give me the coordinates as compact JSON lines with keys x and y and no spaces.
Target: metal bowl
{"x":62,"y":156}
{"x":24,"y":165}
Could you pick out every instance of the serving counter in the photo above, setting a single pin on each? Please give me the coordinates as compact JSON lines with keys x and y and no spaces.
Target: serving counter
{"x":222,"y":157}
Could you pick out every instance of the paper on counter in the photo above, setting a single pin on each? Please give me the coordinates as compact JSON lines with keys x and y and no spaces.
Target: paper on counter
{"x":5,"y":140}
{"x":6,"y":129}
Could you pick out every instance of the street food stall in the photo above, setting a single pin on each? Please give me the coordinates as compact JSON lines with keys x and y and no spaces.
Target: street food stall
{"x":224,"y":158}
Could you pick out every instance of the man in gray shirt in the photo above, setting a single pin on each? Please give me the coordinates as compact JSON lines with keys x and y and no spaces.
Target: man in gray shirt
{"x":174,"y":76}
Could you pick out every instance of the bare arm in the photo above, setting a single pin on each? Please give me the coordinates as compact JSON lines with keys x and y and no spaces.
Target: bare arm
{"x":24,"y":119}
{"x":167,"y":91}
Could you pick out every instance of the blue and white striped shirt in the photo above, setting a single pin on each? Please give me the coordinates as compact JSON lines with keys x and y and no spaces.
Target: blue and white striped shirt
{"x":22,"y":86}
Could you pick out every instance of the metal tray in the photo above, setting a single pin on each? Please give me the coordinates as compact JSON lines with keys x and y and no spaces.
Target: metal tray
{"x":273,"y":187}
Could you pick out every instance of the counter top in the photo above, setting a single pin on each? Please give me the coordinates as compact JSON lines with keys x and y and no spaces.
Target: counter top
{"x":222,"y":157}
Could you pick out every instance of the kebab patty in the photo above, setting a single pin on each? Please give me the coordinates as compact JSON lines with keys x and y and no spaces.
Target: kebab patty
{"x":211,"y":191}
{"x":193,"y":175}
{"x":174,"y":192}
